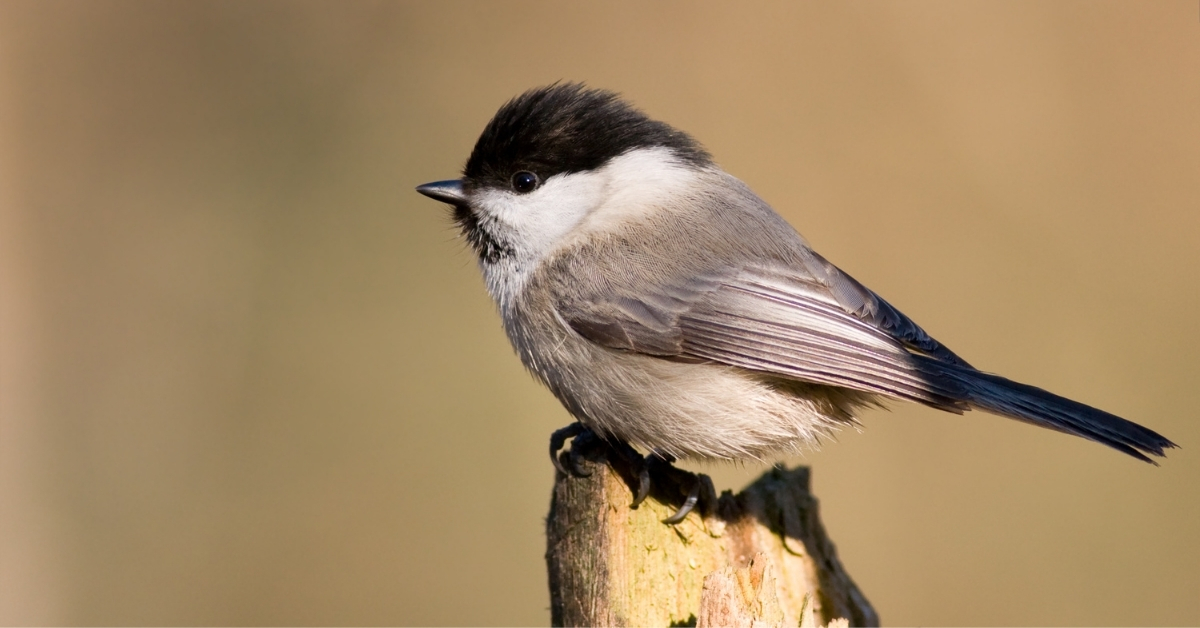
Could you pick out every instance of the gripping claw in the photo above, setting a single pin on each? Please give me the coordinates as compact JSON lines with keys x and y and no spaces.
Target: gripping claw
{"x":688,"y":505}
{"x":586,"y":438}
{"x":558,"y":439}
{"x":640,"y":465}
{"x":643,"y":488}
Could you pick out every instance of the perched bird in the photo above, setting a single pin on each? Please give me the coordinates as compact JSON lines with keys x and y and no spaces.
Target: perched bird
{"x":668,"y":306}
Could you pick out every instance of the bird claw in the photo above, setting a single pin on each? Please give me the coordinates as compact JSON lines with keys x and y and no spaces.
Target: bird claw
{"x":688,"y":505}
{"x":701,"y":493}
{"x":643,"y":489}
{"x":579,"y":444}
{"x":641,"y":467}
{"x":558,"y":439}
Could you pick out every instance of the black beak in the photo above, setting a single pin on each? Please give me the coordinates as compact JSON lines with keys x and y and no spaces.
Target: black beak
{"x":445,"y":191}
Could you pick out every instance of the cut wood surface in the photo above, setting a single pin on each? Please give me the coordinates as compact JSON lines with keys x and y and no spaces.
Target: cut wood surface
{"x":758,"y":558}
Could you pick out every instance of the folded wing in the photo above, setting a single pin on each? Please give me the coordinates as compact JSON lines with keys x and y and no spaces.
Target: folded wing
{"x":763,"y":321}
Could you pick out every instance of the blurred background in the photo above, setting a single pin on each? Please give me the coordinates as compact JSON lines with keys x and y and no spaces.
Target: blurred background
{"x":248,"y":376}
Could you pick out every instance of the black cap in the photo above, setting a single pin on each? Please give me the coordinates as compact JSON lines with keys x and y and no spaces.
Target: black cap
{"x":568,"y":127}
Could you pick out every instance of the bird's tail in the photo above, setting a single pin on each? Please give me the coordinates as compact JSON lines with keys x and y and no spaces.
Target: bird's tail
{"x":1022,"y":402}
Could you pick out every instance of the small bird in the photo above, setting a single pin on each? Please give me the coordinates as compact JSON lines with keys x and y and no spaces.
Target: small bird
{"x":669,"y":307}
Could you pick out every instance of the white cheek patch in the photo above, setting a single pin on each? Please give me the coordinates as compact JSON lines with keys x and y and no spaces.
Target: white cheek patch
{"x":570,"y":206}
{"x":534,"y":222}
{"x":639,"y":183}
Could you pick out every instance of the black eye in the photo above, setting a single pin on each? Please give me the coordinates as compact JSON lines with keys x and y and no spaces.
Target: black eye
{"x":524,"y":182}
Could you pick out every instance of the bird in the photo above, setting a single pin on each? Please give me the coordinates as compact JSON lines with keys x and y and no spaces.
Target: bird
{"x":669,"y":308}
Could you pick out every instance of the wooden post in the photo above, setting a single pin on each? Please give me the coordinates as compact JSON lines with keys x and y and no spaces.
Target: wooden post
{"x":759,"y":558}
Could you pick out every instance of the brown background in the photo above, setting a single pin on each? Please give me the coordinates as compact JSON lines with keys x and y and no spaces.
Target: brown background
{"x":248,"y":376}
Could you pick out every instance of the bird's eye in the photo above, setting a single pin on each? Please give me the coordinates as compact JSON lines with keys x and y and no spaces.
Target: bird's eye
{"x":524,"y":182}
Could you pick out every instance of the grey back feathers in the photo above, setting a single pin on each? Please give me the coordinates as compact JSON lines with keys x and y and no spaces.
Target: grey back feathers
{"x":665,"y":304}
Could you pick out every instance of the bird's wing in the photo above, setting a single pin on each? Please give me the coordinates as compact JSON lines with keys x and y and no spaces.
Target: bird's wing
{"x":860,"y":301}
{"x":787,"y":324}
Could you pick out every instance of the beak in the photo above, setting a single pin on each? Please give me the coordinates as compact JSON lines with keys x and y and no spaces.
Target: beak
{"x":445,"y":191}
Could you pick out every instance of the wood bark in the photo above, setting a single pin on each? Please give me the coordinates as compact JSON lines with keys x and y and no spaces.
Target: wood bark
{"x":758,"y":558}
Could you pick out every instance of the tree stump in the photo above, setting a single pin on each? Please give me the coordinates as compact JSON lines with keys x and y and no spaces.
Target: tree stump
{"x":758,"y":558}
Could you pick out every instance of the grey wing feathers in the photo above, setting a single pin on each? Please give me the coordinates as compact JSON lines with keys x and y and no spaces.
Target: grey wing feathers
{"x":627,"y":324}
{"x":766,"y":324}
{"x":785,"y":326}
{"x":647,"y":324}
{"x":801,"y":328}
{"x":857,"y":299}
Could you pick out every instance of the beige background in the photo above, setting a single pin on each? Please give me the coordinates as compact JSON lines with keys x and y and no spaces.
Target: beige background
{"x":248,"y":376}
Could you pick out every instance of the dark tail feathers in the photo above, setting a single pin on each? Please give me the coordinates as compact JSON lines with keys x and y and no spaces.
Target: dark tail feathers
{"x":995,"y":394}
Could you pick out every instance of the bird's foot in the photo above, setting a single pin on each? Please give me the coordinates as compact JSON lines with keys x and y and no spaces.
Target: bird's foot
{"x":581,"y":438}
{"x":637,"y":469}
